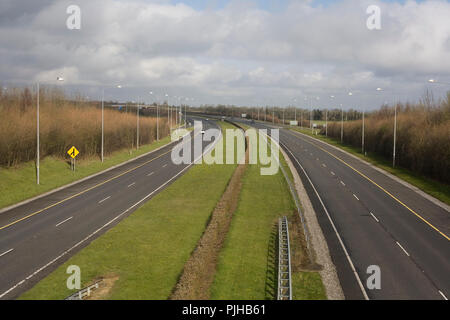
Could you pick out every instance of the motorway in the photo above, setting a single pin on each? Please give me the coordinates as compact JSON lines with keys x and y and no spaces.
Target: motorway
{"x":369,"y":218}
{"x":37,"y":237}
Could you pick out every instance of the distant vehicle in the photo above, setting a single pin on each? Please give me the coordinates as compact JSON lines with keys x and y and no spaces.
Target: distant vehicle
{"x":207,"y":119}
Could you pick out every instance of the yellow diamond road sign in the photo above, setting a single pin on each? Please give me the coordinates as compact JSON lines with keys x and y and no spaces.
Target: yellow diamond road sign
{"x":73,"y":152}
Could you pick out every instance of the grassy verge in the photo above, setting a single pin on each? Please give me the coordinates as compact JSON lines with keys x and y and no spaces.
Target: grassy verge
{"x":247,"y":266}
{"x":19,"y":183}
{"x":434,"y":188}
{"x":147,"y":251}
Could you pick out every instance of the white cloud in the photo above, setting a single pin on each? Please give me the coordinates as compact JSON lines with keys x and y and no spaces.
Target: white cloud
{"x":240,"y":50}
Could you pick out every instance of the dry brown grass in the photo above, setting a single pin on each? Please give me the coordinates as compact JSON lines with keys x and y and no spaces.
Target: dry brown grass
{"x":64,"y":123}
{"x":423,"y":137}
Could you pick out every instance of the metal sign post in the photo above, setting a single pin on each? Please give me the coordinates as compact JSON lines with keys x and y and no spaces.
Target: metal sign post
{"x":73,"y":152}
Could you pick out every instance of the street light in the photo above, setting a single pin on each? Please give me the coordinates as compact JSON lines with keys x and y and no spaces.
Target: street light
{"x":103,"y":120}
{"x":395,"y":128}
{"x":157,"y":117}
{"x":326,"y":119}
{"x":137,"y":124}
{"x":438,"y":82}
{"x":37,"y":132}
{"x":342,"y":124}
{"x":295,"y":109}
{"x":168,"y":114}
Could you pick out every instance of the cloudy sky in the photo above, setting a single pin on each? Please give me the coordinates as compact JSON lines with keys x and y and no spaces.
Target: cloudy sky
{"x":233,"y":52}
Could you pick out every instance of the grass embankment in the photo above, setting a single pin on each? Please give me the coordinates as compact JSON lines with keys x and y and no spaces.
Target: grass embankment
{"x":247,"y":267}
{"x":19,"y":183}
{"x":434,"y":188}
{"x":63,"y":123}
{"x":147,"y":250}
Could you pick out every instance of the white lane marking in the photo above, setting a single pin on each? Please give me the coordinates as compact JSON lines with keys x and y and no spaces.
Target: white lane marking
{"x":342,"y":182}
{"x":324,"y":165}
{"x":63,"y":221}
{"x":406,"y":252}
{"x":442,"y":294}
{"x":130,"y":185}
{"x":108,"y":223}
{"x":352,"y":266}
{"x":333,"y":173}
{"x":151,"y":173}
{"x":356,"y":197}
{"x":6,"y":252}
{"x":373,"y":216}
{"x":104,"y":199}
{"x":164,"y":165}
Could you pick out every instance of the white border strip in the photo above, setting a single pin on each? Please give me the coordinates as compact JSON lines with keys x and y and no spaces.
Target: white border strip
{"x":358,"y":279}
{"x":110,"y":222}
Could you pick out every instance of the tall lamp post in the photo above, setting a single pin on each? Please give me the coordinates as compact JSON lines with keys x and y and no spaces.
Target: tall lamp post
{"x":137,"y":124}
{"x":168,"y":113}
{"x":438,"y":82}
{"x":157,"y":116}
{"x":326,"y":118}
{"x":103,"y":121}
{"x":37,"y":131}
{"x":342,"y":124}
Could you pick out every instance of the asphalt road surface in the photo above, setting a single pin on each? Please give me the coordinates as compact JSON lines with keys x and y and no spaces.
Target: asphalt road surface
{"x":370,"y":219}
{"x":37,"y":237}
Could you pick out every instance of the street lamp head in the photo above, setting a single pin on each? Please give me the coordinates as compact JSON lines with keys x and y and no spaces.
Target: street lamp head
{"x":119,"y":86}
{"x":59,"y":79}
{"x":431,"y":81}
{"x":350,"y":93}
{"x":379,"y":89}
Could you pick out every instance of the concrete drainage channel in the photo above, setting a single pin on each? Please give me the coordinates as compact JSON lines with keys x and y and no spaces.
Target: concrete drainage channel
{"x":284,"y":261}
{"x":84,"y":293}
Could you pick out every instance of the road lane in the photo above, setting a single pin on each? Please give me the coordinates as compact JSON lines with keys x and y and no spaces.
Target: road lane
{"x":39,"y":246}
{"x":424,"y":273}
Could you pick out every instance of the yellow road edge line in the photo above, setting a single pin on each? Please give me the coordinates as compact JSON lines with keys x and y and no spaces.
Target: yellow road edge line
{"x":387,"y":192}
{"x":82,"y":192}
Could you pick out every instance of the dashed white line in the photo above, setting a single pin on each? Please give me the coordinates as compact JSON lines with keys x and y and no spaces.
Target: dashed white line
{"x":333,"y":173}
{"x":373,"y":216}
{"x":130,"y":185}
{"x":104,"y":226}
{"x":104,"y":199}
{"x":324,"y":165}
{"x":151,"y":173}
{"x":165,"y":165}
{"x":356,"y":197}
{"x":352,"y":266}
{"x":406,"y":252}
{"x":442,"y":294}
{"x":6,"y":252}
{"x":63,"y":221}
{"x":342,"y":182}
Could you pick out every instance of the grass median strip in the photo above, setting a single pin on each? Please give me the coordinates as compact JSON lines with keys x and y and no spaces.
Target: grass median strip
{"x":146,"y":252}
{"x":247,"y":267}
{"x":434,"y":188}
{"x":19,"y":183}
